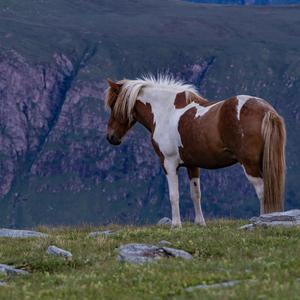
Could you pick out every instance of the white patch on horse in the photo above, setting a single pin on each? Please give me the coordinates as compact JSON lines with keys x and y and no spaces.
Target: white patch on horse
{"x":242,"y":99}
{"x":196,"y":197}
{"x":167,"y":116}
{"x":258,"y":184}
{"x":172,"y":178}
{"x":201,"y":110}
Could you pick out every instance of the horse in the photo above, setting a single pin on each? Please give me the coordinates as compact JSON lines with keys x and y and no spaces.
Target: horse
{"x":190,"y":131}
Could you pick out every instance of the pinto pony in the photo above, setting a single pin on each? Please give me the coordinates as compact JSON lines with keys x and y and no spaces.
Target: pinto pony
{"x":187,"y":130}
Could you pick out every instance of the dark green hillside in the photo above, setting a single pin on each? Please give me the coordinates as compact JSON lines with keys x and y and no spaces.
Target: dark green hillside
{"x":247,"y":2}
{"x":55,"y":164}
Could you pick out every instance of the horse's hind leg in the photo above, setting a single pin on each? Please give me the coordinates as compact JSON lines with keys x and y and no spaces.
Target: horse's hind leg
{"x":253,"y":173}
{"x":194,"y":176}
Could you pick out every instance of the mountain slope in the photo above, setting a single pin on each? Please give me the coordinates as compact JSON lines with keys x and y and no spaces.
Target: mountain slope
{"x":55,"y":164}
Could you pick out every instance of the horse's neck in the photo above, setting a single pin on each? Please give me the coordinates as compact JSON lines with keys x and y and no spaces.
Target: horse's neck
{"x":150,"y":104}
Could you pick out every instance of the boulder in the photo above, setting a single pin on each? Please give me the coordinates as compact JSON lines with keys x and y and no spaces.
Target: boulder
{"x":11,"y":270}
{"x":277,"y":224}
{"x":14,"y":233}
{"x":177,"y":253}
{"x":142,"y":253}
{"x":3,"y":283}
{"x":289,"y":215}
{"x":165,"y":222}
{"x":53,"y":250}
{"x":290,"y":218}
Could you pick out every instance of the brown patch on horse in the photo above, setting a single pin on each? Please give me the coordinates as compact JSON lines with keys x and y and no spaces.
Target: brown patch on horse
{"x":143,"y":114}
{"x":183,"y":99}
{"x":180,"y":100}
{"x":198,"y":99}
{"x":112,"y":93}
{"x":193,"y":172}
{"x":202,"y":144}
{"x":244,"y":136}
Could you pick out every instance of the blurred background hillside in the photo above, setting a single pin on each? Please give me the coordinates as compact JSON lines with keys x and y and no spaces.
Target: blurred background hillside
{"x":55,"y":55}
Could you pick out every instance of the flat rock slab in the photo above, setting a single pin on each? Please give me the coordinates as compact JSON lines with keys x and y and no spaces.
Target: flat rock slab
{"x":11,"y":270}
{"x":165,"y":222}
{"x":224,"y":284}
{"x":289,"y":215}
{"x":142,"y":253}
{"x":14,"y":233}
{"x":277,"y":224}
{"x":290,"y":218}
{"x":53,"y":250}
{"x":101,"y":233}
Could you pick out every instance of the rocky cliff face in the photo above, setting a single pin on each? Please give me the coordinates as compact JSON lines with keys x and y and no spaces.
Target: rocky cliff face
{"x":53,"y":142}
{"x":31,"y":100}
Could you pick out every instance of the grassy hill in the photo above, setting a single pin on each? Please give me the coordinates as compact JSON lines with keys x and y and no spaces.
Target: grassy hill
{"x":55,"y":164}
{"x":266,"y":260}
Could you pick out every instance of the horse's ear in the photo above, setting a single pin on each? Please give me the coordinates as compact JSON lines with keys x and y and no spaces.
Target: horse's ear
{"x":115,"y":86}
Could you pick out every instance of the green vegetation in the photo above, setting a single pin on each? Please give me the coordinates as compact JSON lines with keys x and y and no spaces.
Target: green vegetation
{"x":267,"y":260}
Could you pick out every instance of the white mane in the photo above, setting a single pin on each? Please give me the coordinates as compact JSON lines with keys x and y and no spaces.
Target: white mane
{"x":131,"y":89}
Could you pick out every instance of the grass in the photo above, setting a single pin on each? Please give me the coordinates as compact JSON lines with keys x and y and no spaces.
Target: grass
{"x":266,"y":259}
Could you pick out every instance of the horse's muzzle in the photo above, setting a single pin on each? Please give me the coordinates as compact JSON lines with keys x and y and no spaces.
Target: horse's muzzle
{"x":112,"y":139}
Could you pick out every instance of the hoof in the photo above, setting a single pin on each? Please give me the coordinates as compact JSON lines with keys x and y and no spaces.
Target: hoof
{"x":200,"y":223}
{"x":176,"y":226}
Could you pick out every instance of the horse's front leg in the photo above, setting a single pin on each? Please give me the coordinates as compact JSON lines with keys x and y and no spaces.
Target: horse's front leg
{"x":172,"y":177}
{"x":194,"y":176}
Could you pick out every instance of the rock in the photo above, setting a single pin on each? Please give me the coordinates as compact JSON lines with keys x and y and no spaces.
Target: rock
{"x":177,"y":253}
{"x":101,"y":233}
{"x":11,"y":270}
{"x":3,"y":283}
{"x":163,"y":242}
{"x":53,"y":250}
{"x":14,"y":233}
{"x":165,"y":221}
{"x":213,"y":286}
{"x":290,"y":218}
{"x":290,"y":215}
{"x":277,"y":224}
{"x":142,"y":253}
{"x":247,"y":227}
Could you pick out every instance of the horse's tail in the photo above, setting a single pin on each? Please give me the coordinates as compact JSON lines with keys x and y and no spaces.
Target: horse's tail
{"x":274,"y":134}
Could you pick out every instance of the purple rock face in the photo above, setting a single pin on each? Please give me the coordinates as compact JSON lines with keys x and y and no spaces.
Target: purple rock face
{"x":53,"y":142}
{"x":31,"y":98}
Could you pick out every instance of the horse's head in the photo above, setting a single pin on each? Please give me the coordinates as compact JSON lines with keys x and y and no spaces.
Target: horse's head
{"x":119,"y":122}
